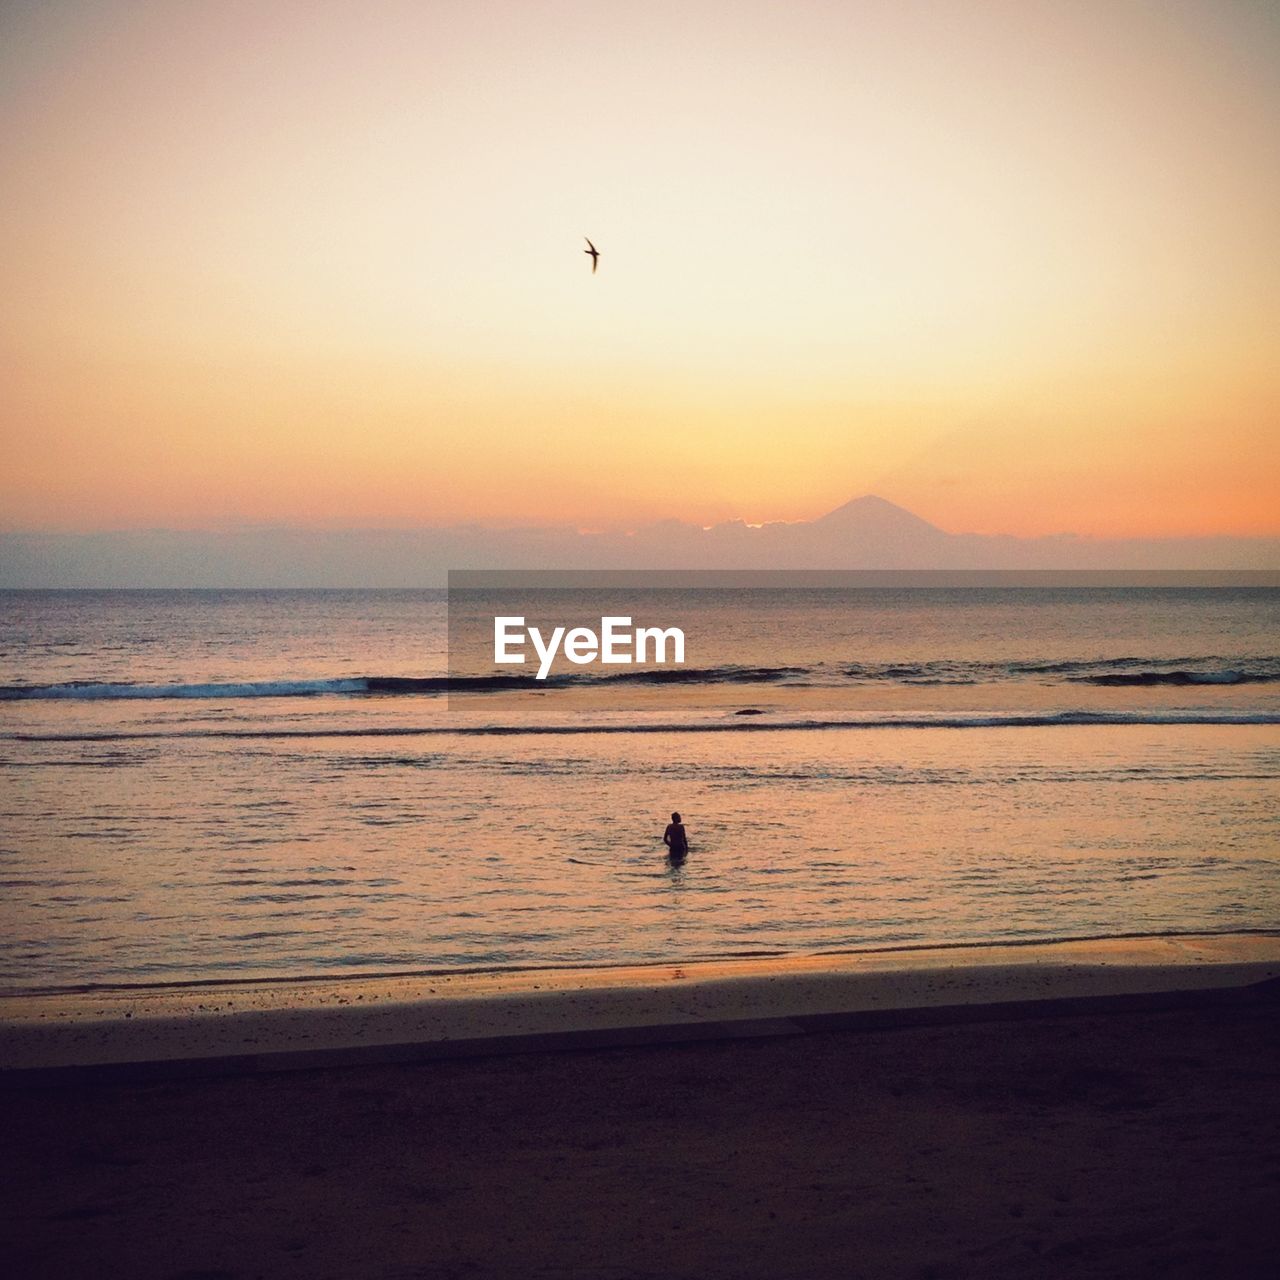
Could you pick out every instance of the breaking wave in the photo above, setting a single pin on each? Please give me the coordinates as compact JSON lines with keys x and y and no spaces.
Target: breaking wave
{"x":1113,"y":672}
{"x":1132,"y":679}
{"x":390,"y":685}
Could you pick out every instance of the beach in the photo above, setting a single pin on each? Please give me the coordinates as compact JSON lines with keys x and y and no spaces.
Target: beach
{"x":309,"y":970}
{"x":1101,"y":1110}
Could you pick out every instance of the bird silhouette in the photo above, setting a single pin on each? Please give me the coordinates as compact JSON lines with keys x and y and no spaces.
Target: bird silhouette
{"x":595,"y":255}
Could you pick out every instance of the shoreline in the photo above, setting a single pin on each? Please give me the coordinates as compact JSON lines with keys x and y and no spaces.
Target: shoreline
{"x":253,"y":1025}
{"x":94,"y":989}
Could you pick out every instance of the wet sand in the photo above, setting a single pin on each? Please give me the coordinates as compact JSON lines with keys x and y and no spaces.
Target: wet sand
{"x":1119,"y":1144}
{"x":252,"y":1026}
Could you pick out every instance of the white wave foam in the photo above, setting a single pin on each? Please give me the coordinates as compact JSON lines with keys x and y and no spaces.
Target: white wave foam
{"x":250,"y":689}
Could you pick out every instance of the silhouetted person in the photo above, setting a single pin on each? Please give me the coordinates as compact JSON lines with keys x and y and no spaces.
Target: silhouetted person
{"x":675,"y":839}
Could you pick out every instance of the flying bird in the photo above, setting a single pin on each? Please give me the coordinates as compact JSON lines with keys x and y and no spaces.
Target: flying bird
{"x":595,"y":255}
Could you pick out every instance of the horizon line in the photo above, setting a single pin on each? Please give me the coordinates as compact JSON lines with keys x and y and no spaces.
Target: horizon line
{"x":611,"y":531}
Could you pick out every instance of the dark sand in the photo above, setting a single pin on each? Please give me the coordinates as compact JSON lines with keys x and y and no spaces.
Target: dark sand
{"x":1116,"y":1144}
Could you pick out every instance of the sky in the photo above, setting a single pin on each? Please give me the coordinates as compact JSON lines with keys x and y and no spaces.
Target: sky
{"x":1014,"y":266}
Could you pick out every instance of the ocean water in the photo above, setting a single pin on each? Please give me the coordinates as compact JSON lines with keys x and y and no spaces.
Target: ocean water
{"x":212,"y":785}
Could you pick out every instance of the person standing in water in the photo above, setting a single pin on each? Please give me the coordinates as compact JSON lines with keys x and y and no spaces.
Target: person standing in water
{"x":675,"y":839}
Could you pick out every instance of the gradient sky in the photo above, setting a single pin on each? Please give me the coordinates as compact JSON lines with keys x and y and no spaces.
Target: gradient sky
{"x":1015,"y":266}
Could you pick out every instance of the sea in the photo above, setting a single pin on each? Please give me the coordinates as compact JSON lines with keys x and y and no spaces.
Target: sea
{"x":201,"y":786}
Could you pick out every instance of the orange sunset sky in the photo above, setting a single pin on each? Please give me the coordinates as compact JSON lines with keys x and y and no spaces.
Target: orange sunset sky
{"x":1015,"y":266}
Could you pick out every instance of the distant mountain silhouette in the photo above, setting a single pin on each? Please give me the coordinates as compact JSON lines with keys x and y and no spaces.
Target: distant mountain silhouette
{"x":865,"y":533}
{"x":876,"y":517}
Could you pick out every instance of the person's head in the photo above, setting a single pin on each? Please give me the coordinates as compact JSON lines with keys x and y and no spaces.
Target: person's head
{"x":675,"y":817}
